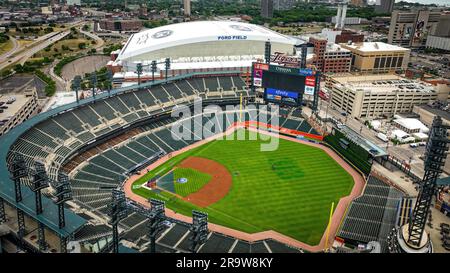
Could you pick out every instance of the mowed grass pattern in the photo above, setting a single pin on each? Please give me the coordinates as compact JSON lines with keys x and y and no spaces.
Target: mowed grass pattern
{"x":289,"y":190}
{"x":196,"y":180}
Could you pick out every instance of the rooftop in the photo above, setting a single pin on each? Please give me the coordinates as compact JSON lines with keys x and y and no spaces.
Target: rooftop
{"x":374,"y":47}
{"x":383,"y":83}
{"x":11,"y":109}
{"x":370,"y":147}
{"x":197,"y":32}
{"x":438,"y":112}
{"x":412,"y":124}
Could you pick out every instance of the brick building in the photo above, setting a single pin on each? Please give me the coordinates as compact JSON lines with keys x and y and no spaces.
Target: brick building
{"x":121,"y":25}
{"x":330,"y":58}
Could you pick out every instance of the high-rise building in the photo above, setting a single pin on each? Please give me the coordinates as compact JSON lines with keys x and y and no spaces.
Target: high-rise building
{"x":384,"y":6}
{"x":440,"y":37}
{"x":187,"y":7}
{"x":267,"y":8}
{"x":283,"y":4}
{"x":330,"y":57}
{"x":411,"y":28}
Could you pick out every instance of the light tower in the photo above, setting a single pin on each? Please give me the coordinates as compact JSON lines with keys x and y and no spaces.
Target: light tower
{"x":412,"y":238}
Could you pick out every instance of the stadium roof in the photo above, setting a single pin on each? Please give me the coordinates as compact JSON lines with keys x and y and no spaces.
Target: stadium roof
{"x":197,"y":32}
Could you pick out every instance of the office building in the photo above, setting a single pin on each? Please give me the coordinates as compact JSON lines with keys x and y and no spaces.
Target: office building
{"x":378,"y":57}
{"x":373,"y":96}
{"x":267,"y":8}
{"x":187,"y":7}
{"x":384,"y":6}
{"x":410,"y":28}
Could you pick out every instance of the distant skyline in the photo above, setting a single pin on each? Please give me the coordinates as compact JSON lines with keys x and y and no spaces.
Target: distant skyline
{"x":427,"y":2}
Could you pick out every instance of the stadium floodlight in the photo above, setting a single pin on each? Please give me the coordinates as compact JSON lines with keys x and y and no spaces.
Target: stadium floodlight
{"x":40,"y":182}
{"x":94,"y":82}
{"x":412,"y":237}
{"x":63,"y":194}
{"x":315,"y":107}
{"x":199,"y":229}
{"x":109,"y":75}
{"x":117,"y":212}
{"x":2,"y":212}
{"x":167,"y":66}
{"x":154,"y":69}
{"x":18,"y":170}
{"x":76,"y":85}
{"x":268,"y":51}
{"x":157,"y":217}
{"x":139,"y":72}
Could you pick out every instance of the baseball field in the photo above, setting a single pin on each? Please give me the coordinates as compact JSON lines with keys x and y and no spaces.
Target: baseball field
{"x":289,"y":190}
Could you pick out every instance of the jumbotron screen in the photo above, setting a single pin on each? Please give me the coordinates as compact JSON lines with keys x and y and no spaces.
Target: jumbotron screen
{"x":284,"y":85}
{"x":288,"y":82}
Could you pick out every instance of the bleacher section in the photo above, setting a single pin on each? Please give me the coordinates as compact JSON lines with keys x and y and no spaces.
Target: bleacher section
{"x":371,"y":216}
{"x":176,"y":238}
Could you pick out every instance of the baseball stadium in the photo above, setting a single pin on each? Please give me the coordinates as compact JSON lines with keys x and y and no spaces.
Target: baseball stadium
{"x":255,"y":200}
{"x":198,"y":162}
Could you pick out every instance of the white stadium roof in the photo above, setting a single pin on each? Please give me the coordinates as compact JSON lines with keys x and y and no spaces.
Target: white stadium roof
{"x":197,"y":32}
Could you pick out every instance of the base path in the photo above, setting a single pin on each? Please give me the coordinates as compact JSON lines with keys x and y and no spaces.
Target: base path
{"x":336,"y":219}
{"x":216,"y":189}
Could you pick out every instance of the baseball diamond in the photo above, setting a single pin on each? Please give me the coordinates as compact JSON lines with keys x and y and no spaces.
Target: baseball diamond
{"x":289,"y":190}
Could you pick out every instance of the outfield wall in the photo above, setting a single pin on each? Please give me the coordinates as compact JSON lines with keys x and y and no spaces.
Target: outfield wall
{"x":359,"y":157}
{"x":280,"y":129}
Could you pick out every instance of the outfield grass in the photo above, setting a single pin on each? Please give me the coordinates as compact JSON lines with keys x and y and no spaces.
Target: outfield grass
{"x":196,"y":180}
{"x":289,"y":190}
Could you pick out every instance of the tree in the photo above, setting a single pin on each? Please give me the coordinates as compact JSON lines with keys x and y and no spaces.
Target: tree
{"x":82,"y":45}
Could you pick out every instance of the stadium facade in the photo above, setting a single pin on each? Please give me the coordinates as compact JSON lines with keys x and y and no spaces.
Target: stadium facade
{"x":200,"y":46}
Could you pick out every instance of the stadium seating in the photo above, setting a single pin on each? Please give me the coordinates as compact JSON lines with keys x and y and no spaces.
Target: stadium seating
{"x":104,"y":166}
{"x":372,"y":216}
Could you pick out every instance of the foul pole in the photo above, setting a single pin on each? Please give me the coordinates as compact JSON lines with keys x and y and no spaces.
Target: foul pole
{"x":329,"y":227}
{"x":240,"y":109}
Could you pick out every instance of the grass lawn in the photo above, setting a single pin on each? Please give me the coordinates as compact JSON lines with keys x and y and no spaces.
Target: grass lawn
{"x":289,"y":190}
{"x":196,"y":180}
{"x":6,"y":46}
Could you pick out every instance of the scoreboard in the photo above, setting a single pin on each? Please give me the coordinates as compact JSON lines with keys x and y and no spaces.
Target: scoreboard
{"x":284,"y":85}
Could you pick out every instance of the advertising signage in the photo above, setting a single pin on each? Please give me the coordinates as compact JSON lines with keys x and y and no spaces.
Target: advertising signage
{"x":310,"y":85}
{"x":258,"y":69}
{"x":306,"y":72}
{"x":277,"y":95}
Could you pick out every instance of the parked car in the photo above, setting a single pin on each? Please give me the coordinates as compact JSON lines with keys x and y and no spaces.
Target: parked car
{"x":414,"y":145}
{"x":383,"y":137}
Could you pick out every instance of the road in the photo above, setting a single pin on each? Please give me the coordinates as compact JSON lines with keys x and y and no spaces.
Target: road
{"x":32,"y":49}
{"x":22,"y":54}
{"x":99,"y":41}
{"x":61,"y":84}
{"x":16,"y":47}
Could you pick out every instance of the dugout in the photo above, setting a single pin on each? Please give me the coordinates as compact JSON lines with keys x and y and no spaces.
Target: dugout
{"x":353,"y":147}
